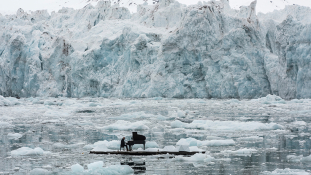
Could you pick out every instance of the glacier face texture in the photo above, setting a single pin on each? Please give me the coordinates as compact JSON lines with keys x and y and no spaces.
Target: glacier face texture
{"x":164,"y":50}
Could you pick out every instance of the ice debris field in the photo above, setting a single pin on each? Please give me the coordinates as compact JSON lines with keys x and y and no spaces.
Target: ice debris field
{"x":268,"y":135}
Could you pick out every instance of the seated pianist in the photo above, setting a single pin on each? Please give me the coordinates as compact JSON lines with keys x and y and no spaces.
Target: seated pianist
{"x":136,"y":139}
{"x":123,"y":144}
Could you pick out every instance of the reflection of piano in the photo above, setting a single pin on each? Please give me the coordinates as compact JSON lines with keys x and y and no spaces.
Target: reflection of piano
{"x":136,"y":139}
{"x":138,"y":167}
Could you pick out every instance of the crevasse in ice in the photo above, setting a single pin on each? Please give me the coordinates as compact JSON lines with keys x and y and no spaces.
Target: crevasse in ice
{"x":164,"y":50}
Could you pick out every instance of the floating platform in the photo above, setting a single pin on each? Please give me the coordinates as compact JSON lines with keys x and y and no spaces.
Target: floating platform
{"x":145,"y":153}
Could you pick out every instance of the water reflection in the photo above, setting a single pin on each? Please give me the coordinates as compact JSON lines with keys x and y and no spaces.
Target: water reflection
{"x":139,"y":167}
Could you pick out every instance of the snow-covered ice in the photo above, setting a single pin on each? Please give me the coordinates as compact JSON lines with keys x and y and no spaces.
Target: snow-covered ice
{"x":25,"y":151}
{"x":166,"y":49}
{"x":14,"y":136}
{"x":194,"y":142}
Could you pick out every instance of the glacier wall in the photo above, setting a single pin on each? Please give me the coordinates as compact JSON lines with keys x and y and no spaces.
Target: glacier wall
{"x":168,"y":49}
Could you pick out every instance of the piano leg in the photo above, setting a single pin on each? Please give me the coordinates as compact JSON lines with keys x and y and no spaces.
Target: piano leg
{"x":144,"y":146}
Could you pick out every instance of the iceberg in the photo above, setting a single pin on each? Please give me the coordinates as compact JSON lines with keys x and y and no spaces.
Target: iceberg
{"x":166,"y":49}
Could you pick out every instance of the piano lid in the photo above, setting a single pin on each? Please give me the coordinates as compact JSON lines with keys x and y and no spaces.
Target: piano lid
{"x":138,"y":137}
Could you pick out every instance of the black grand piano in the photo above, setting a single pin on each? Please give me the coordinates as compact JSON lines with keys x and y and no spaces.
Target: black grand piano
{"x":136,"y":139}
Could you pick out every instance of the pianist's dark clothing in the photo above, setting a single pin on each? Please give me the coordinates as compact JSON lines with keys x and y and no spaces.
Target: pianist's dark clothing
{"x":122,"y":143}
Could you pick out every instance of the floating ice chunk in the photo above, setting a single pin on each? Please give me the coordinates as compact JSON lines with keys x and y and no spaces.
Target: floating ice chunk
{"x":301,"y":123}
{"x":13,"y":101}
{"x":101,"y":148}
{"x":125,"y":125}
{"x":296,"y":101}
{"x":39,"y":171}
{"x":241,"y":152}
{"x":199,"y":157}
{"x":35,"y":100}
{"x":95,"y":165}
{"x":138,"y":115}
{"x":195,"y":149}
{"x":152,"y":144}
{"x":209,"y":158}
{"x":157,"y":98}
{"x":54,"y":113}
{"x":193,"y":143}
{"x":293,"y":158}
{"x":187,"y":141}
{"x":306,"y":159}
{"x":25,"y":151}
{"x":9,"y":101}
{"x":5,"y":125}
{"x":182,"y":148}
{"x":69,"y":146}
{"x":178,"y":124}
{"x":181,"y":114}
{"x":232,"y":101}
{"x":77,"y":168}
{"x":226,"y":125}
{"x":213,"y":138}
{"x":285,"y":171}
{"x":14,"y":136}
{"x":69,"y":102}
{"x":158,"y":129}
{"x":51,"y":102}
{"x":225,"y":159}
{"x":270,"y":99}
{"x":97,"y":168}
{"x":251,"y":138}
{"x":170,"y":148}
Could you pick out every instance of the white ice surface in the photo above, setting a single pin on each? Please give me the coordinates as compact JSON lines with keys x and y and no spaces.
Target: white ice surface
{"x":207,"y":50}
{"x":195,"y":158}
{"x":241,"y":152}
{"x":293,"y":158}
{"x":8,"y":101}
{"x":40,"y":171}
{"x":126,"y":125}
{"x":195,"y":142}
{"x":14,"y":136}
{"x":226,"y":125}
{"x":25,"y":151}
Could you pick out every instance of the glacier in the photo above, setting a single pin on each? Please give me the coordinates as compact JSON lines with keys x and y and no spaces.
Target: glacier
{"x":166,"y":50}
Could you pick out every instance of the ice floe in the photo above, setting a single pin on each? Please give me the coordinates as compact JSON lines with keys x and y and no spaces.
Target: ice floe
{"x":194,"y":142}
{"x":25,"y":151}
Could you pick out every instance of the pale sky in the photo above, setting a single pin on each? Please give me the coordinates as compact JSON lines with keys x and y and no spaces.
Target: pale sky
{"x":11,"y":6}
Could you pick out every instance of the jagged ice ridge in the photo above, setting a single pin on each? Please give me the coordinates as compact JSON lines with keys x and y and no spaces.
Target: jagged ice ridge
{"x":164,"y":50}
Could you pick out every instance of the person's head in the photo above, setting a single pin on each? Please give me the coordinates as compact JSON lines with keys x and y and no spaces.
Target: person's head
{"x":123,"y":137}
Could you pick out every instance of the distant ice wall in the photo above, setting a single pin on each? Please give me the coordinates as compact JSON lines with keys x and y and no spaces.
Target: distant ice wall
{"x":168,"y":49}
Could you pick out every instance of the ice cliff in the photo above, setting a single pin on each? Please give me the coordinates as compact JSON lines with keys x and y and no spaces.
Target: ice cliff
{"x":168,"y":49}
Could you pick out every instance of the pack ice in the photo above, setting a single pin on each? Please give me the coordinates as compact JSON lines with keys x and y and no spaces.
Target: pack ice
{"x":164,"y":50}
